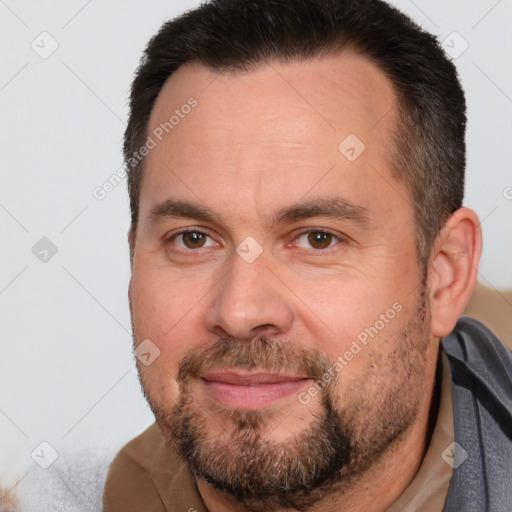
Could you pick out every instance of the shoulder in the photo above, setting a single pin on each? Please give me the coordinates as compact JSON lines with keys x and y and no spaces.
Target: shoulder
{"x":478,"y":357}
{"x":147,"y":474}
{"x":130,"y":484}
{"x":481,"y":368}
{"x":474,"y":349}
{"x":492,"y":307}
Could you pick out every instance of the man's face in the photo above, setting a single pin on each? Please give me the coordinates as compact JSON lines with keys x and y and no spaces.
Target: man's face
{"x":275,"y":251}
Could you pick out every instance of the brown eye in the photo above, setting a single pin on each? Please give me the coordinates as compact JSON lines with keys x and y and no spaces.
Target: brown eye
{"x":193,"y":239}
{"x":320,"y":239}
{"x":190,"y":239}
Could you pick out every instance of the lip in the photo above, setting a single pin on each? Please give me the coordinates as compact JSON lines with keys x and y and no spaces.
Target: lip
{"x":250,"y":390}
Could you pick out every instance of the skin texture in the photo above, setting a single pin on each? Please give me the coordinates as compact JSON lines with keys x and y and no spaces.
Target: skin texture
{"x":257,"y":142}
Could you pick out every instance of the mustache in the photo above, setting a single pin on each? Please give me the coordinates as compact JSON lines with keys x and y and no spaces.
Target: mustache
{"x":264,"y":353}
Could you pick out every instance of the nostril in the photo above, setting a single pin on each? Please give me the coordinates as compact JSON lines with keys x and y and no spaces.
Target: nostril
{"x":265,"y":330}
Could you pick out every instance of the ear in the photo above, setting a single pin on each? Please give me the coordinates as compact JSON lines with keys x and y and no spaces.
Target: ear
{"x":453,"y":269}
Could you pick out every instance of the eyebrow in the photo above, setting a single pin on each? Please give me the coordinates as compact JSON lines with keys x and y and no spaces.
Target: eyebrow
{"x":337,"y":208}
{"x":333,"y":207}
{"x":178,"y":208}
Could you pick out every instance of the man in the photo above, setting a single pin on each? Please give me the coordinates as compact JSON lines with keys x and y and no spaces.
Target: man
{"x":300,"y":260}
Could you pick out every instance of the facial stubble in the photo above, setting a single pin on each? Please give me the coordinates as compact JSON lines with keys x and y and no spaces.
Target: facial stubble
{"x":350,"y":430}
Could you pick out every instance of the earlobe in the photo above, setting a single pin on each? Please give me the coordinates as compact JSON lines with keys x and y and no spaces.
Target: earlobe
{"x":453,"y":269}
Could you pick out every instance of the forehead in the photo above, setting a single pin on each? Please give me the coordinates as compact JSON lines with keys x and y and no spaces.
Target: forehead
{"x":276,"y":126}
{"x":334,"y":93}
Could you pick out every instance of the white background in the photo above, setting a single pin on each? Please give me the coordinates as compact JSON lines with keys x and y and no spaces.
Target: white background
{"x":67,"y":374}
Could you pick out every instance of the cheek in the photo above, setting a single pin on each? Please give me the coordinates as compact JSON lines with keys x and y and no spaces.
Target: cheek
{"x":165,"y":312}
{"x":346,"y":307}
{"x":159,"y":314}
{"x":159,"y":302}
{"x":159,"y":384}
{"x":356,"y":325}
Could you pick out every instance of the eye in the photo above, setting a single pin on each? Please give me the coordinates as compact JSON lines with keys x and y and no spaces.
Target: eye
{"x":191,"y":239}
{"x":317,"y":239}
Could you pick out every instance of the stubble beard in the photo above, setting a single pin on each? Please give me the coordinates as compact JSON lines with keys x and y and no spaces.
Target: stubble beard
{"x":350,"y":430}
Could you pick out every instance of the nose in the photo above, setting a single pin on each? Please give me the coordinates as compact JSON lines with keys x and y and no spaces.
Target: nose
{"x":250,"y":301}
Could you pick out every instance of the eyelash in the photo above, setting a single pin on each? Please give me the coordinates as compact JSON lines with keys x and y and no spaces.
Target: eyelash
{"x":305,"y":231}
